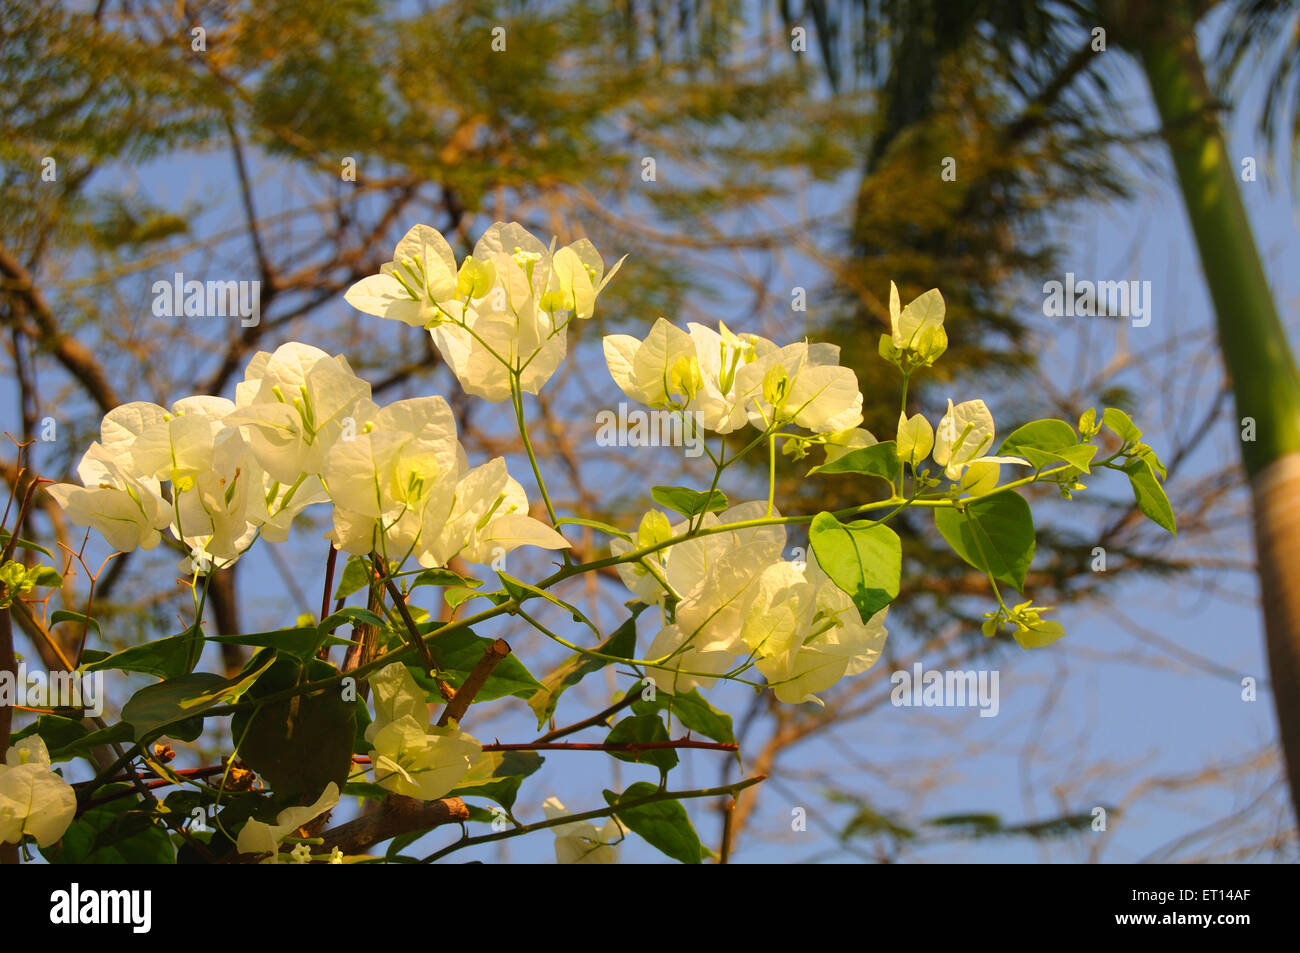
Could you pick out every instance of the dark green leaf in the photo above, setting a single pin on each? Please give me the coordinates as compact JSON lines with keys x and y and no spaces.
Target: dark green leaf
{"x":301,"y":642}
{"x":67,"y":615}
{"x":622,"y":644}
{"x":639,"y":729}
{"x":21,"y":543}
{"x":116,"y":832}
{"x":692,"y":710}
{"x":164,"y":658}
{"x":301,"y":744}
{"x":665,"y":825}
{"x":366,"y":789}
{"x":154,"y":707}
{"x":118,"y":733}
{"x":498,"y":776}
{"x":456,"y":654}
{"x":56,"y":731}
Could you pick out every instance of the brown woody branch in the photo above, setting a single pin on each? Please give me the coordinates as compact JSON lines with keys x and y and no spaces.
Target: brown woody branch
{"x":75,"y":357}
{"x":396,"y":815}
{"x":464,"y":695}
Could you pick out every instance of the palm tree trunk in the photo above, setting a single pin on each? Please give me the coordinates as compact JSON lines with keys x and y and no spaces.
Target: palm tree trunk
{"x":1265,"y":382}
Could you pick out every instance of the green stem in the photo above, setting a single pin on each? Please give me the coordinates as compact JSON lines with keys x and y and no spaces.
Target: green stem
{"x":657,"y":796}
{"x":907,"y":377}
{"x":511,"y":606}
{"x":771,"y":474}
{"x":517,"y":397}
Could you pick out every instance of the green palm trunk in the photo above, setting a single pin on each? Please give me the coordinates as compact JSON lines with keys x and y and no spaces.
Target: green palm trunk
{"x":1265,"y":382}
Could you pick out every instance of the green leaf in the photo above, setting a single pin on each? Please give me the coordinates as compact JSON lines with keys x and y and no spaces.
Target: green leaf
{"x":46,"y":577}
{"x":994,"y":534}
{"x":1121,"y":424}
{"x":456,"y":654}
{"x":1040,"y":442}
{"x":458,"y":595}
{"x":365,"y":789}
{"x":55,"y":730}
{"x":1143,"y":452}
{"x":114,"y":734}
{"x":21,"y":543}
{"x":67,"y":615}
{"x":639,"y":729}
{"x":664,"y":825}
{"x":596,"y":525}
{"x":1039,"y":634}
{"x":445,"y":579}
{"x":577,"y":667}
{"x":351,"y":614}
{"x":518,"y":590}
{"x":164,"y":658}
{"x":878,"y":460}
{"x":688,"y":502}
{"x":116,"y":832}
{"x":1079,"y":456}
{"x":692,"y":710}
{"x":398,"y":844}
{"x":357,"y":573}
{"x":885,"y":348}
{"x":155,"y":707}
{"x":301,"y":642}
{"x":863,"y":558}
{"x":1150,"y":495}
{"x":497,"y":776}
{"x":301,"y":744}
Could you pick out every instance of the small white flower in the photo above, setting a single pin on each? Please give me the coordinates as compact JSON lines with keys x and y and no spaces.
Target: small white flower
{"x":582,"y":842}
{"x":33,"y":799}
{"x":409,"y":756}
{"x":258,"y":837}
{"x":963,"y":438}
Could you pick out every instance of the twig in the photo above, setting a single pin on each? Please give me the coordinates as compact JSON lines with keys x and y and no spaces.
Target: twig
{"x":616,"y":746}
{"x":329,"y":582}
{"x":657,"y":796}
{"x":600,"y":718}
{"x":400,"y":605}
{"x":464,"y":695}
{"x":728,"y":811}
{"x":149,"y":785}
{"x":396,"y":815}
